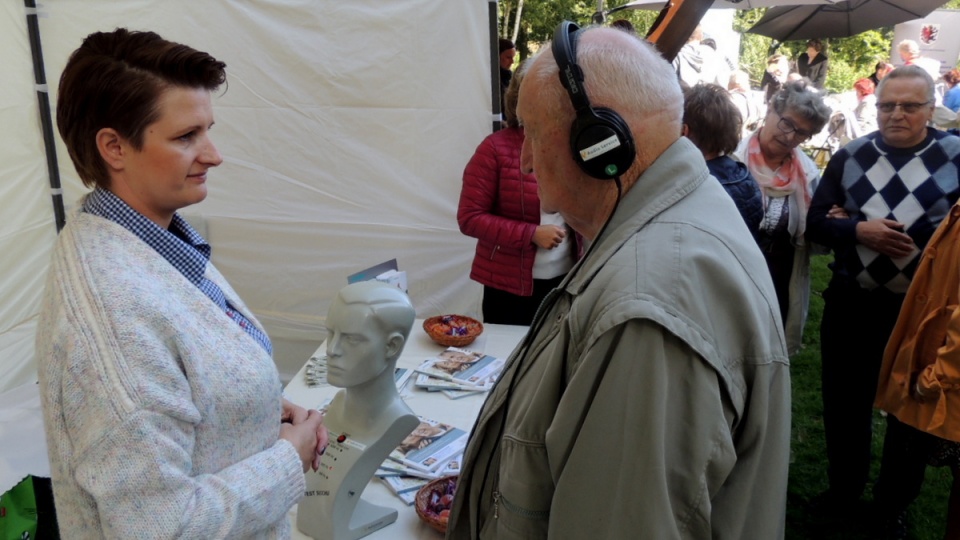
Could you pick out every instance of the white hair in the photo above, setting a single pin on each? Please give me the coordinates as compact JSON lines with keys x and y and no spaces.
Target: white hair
{"x":909,"y":72}
{"x":910,"y":47}
{"x":621,"y":72}
{"x":739,"y":80}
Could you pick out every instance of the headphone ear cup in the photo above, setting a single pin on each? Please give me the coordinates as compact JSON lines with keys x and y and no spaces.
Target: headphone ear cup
{"x":602,"y":144}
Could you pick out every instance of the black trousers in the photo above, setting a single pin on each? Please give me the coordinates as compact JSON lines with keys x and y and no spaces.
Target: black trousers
{"x":500,"y":307}
{"x":904,"y":462}
{"x":779,"y":253}
{"x":854,"y":330}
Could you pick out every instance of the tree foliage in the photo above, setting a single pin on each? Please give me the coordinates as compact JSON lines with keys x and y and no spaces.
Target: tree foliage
{"x":539,"y":19}
{"x":754,"y":48}
{"x":856,"y":57}
{"x":851,"y":58}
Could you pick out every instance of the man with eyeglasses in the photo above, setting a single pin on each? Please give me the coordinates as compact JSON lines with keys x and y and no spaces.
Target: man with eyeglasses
{"x":878,"y":203}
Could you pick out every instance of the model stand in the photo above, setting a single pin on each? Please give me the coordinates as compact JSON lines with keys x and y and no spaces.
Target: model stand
{"x":333,"y":508}
{"x":367,"y":324}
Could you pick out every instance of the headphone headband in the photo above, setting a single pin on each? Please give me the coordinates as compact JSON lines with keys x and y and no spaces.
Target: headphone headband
{"x":565,"y":52}
{"x":600,"y":140}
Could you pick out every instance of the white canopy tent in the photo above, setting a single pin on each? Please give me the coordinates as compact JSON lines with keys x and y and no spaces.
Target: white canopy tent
{"x":345,"y":129}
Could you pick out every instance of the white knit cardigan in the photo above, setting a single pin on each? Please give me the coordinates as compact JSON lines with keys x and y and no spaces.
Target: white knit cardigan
{"x":162,"y":415}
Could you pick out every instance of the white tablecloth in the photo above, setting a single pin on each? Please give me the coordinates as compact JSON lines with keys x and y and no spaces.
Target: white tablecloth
{"x":496,"y":340}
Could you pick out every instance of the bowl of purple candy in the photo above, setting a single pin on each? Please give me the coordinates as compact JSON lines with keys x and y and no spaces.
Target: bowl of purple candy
{"x":452,"y":330}
{"x":433,"y":502}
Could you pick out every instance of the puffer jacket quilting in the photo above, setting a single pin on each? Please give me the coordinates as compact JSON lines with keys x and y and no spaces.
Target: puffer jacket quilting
{"x":499,"y":206}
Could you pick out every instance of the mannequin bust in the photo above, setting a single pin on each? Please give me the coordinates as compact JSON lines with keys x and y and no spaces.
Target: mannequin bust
{"x":368,"y":324}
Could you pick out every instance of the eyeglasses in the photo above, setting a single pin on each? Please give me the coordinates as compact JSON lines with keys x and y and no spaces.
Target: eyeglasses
{"x":908,"y":108}
{"x":787,"y":127}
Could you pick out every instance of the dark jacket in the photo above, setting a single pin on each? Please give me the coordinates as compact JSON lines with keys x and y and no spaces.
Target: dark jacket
{"x":770,"y":86}
{"x":505,"y":76}
{"x":742,"y":188}
{"x":816,"y":70}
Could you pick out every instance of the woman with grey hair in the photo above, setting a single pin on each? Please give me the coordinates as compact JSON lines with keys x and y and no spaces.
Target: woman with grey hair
{"x":787,"y":179}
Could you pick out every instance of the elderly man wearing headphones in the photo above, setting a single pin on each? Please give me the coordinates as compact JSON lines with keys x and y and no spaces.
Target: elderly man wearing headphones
{"x":652,"y":393}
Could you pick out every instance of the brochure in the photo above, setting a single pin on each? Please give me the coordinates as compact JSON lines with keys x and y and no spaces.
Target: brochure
{"x":469,"y":369}
{"x":434,"y":384}
{"x":457,"y":394}
{"x":391,"y":467}
{"x":401,"y":376}
{"x":402,"y":484}
{"x":430,"y":446}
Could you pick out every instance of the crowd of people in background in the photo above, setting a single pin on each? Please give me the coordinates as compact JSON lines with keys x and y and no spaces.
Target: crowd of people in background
{"x":881,"y":199}
{"x":884,"y":204}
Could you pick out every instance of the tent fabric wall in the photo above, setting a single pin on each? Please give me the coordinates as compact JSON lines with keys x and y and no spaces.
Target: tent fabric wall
{"x":27,"y":227}
{"x":344,"y":129}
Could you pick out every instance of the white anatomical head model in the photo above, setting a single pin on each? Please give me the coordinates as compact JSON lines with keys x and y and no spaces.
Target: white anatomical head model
{"x":367,"y":326}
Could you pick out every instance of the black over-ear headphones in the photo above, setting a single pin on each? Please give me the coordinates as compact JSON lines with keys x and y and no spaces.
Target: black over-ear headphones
{"x":601,"y":141}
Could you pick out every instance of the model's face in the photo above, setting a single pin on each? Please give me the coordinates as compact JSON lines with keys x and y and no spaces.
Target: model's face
{"x":356,"y":347}
{"x":898,"y":127}
{"x":170,"y":171}
{"x":456,"y":357}
{"x":424,"y":430}
{"x":546,"y":151}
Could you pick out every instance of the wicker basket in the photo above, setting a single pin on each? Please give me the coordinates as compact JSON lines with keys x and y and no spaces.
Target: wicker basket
{"x":425,"y":494}
{"x":452,"y":330}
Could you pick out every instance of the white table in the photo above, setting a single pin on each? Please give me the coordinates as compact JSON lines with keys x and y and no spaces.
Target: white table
{"x":496,"y":340}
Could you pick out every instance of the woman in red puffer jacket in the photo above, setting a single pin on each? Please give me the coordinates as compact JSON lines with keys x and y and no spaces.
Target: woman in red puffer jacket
{"x":521,"y":253}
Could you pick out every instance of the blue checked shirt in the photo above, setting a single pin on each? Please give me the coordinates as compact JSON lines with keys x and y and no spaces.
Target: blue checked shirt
{"x":181,"y":246}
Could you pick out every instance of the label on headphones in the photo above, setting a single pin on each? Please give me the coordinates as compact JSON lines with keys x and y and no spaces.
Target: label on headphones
{"x":600,"y":148}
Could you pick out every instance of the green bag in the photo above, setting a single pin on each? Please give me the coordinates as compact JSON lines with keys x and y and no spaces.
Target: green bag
{"x":18,"y":512}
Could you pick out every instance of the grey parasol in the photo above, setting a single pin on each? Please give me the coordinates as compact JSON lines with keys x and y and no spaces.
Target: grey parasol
{"x":841,"y":19}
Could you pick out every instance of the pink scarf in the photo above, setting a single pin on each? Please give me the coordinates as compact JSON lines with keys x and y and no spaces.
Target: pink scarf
{"x":788,"y":179}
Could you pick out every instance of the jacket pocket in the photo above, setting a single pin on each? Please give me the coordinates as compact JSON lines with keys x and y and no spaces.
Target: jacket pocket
{"x":524,"y":492}
{"x":930,"y":336}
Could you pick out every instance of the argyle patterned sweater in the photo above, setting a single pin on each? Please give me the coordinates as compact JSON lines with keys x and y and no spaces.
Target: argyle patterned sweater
{"x":869,"y":179}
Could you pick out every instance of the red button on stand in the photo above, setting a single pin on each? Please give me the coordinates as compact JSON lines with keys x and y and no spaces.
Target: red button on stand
{"x":341,"y":438}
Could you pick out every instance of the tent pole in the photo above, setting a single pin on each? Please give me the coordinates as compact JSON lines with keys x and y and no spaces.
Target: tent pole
{"x":494,"y":66}
{"x":46,"y":123}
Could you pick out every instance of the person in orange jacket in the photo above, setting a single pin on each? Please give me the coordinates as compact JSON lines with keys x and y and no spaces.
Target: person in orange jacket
{"x":919,"y":381}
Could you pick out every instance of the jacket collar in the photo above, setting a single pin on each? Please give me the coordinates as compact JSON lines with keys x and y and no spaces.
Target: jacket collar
{"x":673,"y":176}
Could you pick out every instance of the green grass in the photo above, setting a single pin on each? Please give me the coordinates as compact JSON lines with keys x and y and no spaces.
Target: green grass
{"x":808,"y":463}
